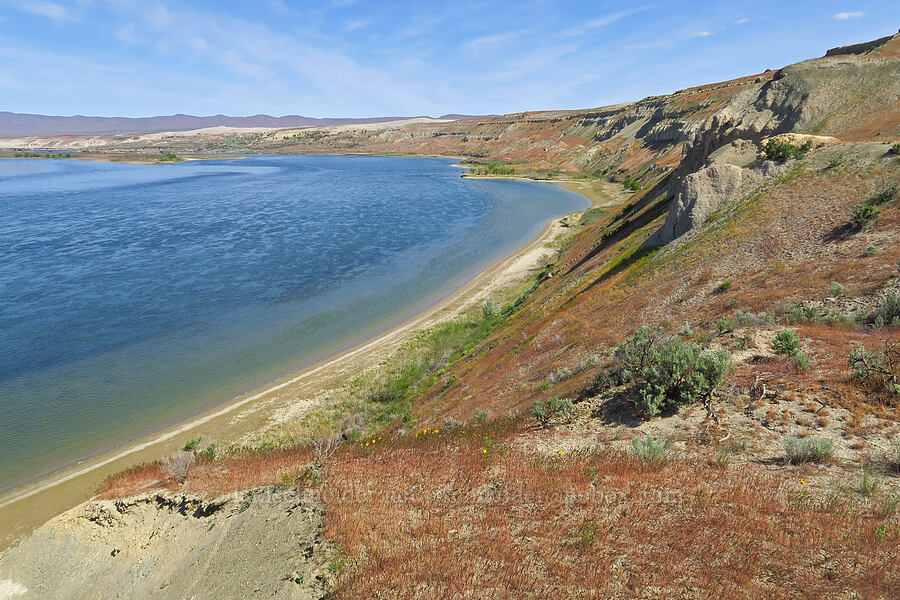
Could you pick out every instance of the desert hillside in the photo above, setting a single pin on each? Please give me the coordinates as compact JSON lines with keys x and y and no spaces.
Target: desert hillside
{"x":696,"y":395}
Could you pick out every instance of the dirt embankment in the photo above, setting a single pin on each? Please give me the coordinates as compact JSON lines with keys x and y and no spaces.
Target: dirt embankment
{"x":262,"y":543}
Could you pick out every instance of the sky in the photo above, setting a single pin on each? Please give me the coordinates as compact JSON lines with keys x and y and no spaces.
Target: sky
{"x":359,"y":58}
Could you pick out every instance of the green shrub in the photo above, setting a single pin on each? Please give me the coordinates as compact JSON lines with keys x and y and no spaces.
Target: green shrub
{"x":650,"y":449}
{"x":884,"y":196}
{"x":781,"y":150}
{"x":800,"y":361}
{"x":864,"y":215}
{"x":803,"y":450}
{"x":209,"y":454}
{"x":724,"y":286}
{"x":889,"y":311}
{"x":868,"y":483}
{"x":490,"y":309}
{"x":553,"y":408}
{"x":786,"y":343}
{"x":191,"y":444}
{"x":871,"y":250}
{"x":631,"y":184}
{"x":894,"y":149}
{"x":679,"y":373}
{"x":725,"y":325}
{"x":836,"y":289}
{"x":634,"y":353}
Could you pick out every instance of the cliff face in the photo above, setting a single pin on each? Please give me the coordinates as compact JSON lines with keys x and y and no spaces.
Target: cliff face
{"x":260,"y":543}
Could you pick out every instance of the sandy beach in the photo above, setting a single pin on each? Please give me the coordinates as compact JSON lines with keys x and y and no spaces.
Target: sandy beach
{"x":264,"y":412}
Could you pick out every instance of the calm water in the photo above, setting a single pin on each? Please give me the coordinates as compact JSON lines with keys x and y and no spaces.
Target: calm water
{"x":132,"y":296}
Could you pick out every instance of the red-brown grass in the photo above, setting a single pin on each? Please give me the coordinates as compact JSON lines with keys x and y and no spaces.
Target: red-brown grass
{"x":438,"y":520}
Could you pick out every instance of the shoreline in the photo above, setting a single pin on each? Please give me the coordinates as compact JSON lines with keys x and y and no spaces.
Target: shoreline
{"x":135,"y":159}
{"x":247,"y":413}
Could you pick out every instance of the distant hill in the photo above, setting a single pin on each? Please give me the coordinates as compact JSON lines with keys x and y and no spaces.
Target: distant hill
{"x":23,"y":124}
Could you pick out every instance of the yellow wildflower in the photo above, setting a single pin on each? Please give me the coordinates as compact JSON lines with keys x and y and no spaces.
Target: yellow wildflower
{"x":484,"y":451}
{"x":560,"y":452}
{"x":803,"y":482}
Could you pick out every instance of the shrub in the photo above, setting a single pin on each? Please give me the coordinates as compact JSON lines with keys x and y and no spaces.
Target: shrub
{"x":836,"y":289}
{"x":178,"y":465}
{"x":884,"y":196}
{"x":871,"y":250}
{"x":553,"y":408}
{"x":650,"y":449}
{"x":811,"y":449}
{"x":679,"y":373}
{"x":209,"y":454}
{"x":634,"y":353}
{"x":781,"y":150}
{"x":894,"y":149}
{"x":786,"y":343}
{"x":879,"y":369}
{"x":864,"y":215}
{"x":889,"y":311}
{"x":490,"y":309}
{"x":724,"y":286}
{"x":725,"y":325}
{"x":631,"y":184}
{"x":191,"y":444}
{"x":800,"y":361}
{"x":868,"y":483}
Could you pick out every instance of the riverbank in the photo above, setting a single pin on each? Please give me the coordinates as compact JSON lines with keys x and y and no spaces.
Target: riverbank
{"x":266,"y":411}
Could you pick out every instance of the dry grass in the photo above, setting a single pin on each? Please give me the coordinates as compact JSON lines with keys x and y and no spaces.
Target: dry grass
{"x":425,"y":520}
{"x":238,"y":471}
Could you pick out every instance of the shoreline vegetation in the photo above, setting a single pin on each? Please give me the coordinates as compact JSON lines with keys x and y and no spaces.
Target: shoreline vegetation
{"x":144,"y":158}
{"x":256,"y":418}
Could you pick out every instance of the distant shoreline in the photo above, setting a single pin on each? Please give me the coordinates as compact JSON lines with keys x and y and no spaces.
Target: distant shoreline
{"x":55,"y":493}
{"x":138,"y":158}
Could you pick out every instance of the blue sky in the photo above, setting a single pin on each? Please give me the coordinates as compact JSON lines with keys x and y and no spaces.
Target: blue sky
{"x":355,"y":58}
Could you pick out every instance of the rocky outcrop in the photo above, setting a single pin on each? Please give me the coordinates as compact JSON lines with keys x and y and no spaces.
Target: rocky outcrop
{"x":699,"y":195}
{"x":263,"y":543}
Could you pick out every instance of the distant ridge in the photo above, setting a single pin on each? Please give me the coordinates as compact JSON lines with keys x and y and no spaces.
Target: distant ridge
{"x":23,"y":124}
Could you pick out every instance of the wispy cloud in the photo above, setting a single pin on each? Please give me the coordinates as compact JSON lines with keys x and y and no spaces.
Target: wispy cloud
{"x":601,"y":21}
{"x":51,"y":10}
{"x":354,"y":25}
{"x":490,"y":42}
{"x":843,"y":16}
{"x":741,"y":21}
{"x":701,"y":34}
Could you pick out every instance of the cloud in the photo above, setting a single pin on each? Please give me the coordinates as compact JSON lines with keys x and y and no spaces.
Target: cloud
{"x":51,"y":10}
{"x":127,"y":34}
{"x":354,"y":25}
{"x":701,"y":34}
{"x":843,"y":16}
{"x":741,"y":21}
{"x":490,"y":42}
{"x":601,"y":21}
